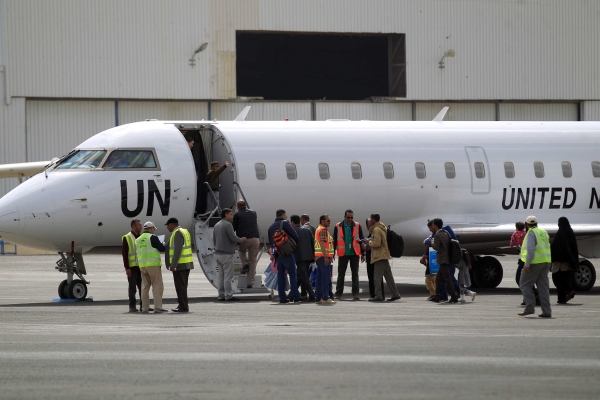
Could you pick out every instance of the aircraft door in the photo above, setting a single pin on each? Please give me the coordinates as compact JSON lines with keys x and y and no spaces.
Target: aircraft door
{"x":480,"y":170}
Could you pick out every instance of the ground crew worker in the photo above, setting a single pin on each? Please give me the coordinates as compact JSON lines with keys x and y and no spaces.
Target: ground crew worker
{"x":535,"y":254}
{"x":179,"y":259}
{"x":347,"y":235}
{"x":214,"y":182}
{"x":148,"y":248}
{"x":324,"y":252}
{"x":130,"y":262}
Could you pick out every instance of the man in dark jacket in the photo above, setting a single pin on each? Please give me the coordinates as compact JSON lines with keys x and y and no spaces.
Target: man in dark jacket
{"x":441,"y":244}
{"x":284,"y":263}
{"x":245,"y":225}
{"x":214,"y":182}
{"x":304,"y":255}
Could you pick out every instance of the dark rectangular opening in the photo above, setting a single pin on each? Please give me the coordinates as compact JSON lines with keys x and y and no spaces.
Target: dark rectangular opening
{"x":311,"y":66}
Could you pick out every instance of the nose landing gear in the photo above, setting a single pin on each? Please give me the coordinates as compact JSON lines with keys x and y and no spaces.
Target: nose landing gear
{"x":72,"y":288}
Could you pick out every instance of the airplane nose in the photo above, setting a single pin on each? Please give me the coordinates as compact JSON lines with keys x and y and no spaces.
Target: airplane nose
{"x":9,"y":217}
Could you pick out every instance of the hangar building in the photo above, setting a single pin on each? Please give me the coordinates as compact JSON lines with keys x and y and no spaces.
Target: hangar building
{"x":72,"y":68}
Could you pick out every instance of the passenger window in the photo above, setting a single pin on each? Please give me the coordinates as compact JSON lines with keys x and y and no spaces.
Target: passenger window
{"x":356,"y":170}
{"x":324,"y":170}
{"x":83,"y":159}
{"x":290,"y":170}
{"x":420,"y":170}
{"x":130,"y":159}
{"x":479,"y":170}
{"x":450,"y":171}
{"x":261,"y":171}
{"x":566,"y":168}
{"x":388,"y":170}
{"x":538,"y":168}
{"x":596,"y":169}
{"x":509,"y":169}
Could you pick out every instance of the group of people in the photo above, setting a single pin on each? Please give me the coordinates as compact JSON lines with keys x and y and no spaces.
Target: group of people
{"x":539,"y":257}
{"x":141,"y":250}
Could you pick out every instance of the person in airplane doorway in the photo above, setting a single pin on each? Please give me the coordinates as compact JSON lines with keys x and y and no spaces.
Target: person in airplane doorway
{"x":324,"y":252}
{"x":304,"y":255}
{"x":148,"y":248}
{"x":179,"y":260}
{"x":347,"y":236}
{"x":214,"y":182}
{"x":130,"y":262}
{"x":535,"y":253}
{"x":565,"y":259}
{"x":284,"y":262}
{"x":380,"y":257}
{"x":441,"y":244}
{"x":225,"y":241}
{"x":245,"y":225}
{"x":190,"y":141}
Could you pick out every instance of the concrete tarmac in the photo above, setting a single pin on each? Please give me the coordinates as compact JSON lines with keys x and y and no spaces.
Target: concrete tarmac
{"x":258,"y":349}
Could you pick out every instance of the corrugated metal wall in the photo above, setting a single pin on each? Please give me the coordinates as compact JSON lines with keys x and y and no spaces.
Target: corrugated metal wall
{"x":56,"y":127}
{"x":139,"y":49}
{"x":590,"y":111}
{"x":457,"y":111}
{"x":358,"y":111}
{"x":539,"y":112}
{"x":12,"y":138}
{"x":262,"y":111}
{"x":134,"y":111}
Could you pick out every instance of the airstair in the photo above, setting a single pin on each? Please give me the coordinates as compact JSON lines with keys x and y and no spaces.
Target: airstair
{"x":203,"y":240}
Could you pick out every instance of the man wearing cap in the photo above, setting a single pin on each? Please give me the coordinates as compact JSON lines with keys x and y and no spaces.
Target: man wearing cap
{"x":148,"y":248}
{"x":535,"y":254}
{"x":179,"y":259}
{"x":213,"y":181}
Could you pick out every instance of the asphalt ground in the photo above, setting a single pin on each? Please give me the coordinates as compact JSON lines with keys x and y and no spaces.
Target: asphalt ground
{"x":258,"y":349}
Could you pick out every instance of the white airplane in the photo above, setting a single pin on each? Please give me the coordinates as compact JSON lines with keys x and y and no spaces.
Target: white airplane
{"x":479,"y":177}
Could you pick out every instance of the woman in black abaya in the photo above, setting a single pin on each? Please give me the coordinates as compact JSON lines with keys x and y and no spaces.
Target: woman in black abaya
{"x":565,"y":259}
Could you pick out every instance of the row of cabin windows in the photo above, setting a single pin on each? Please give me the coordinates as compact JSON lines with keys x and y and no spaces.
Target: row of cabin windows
{"x":388,"y":170}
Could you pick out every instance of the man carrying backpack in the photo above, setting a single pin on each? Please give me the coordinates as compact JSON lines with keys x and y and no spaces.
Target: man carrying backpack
{"x":441,"y":244}
{"x":280,"y":232}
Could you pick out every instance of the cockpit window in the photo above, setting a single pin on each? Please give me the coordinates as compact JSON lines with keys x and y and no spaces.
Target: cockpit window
{"x":83,"y":159}
{"x":128,"y":159}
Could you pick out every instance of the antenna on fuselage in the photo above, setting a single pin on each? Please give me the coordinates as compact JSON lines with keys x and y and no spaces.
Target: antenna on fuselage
{"x":441,"y":114}
{"x":242,"y":115}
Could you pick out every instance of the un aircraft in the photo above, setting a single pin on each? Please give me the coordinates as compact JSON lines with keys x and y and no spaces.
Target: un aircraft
{"x":479,"y":177}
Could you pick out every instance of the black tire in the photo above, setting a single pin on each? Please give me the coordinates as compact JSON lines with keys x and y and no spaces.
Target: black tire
{"x":584,"y":277}
{"x":62,"y":290}
{"x":489,"y":272}
{"x":77,"y":289}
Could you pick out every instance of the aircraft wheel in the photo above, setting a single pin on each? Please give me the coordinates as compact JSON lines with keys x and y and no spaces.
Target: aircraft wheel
{"x":77,"y":289}
{"x":63,"y":293}
{"x":584,"y":277}
{"x":489,"y":272}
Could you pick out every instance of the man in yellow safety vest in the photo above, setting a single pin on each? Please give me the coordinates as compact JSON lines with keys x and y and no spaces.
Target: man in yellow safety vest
{"x":148,"y":248}
{"x":535,"y":254}
{"x":180,"y":261}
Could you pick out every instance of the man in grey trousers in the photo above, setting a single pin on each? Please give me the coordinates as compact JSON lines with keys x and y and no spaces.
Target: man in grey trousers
{"x":535,"y":254}
{"x":225,"y":241}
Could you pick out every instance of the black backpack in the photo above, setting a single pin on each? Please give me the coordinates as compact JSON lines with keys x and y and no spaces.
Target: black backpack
{"x":395,"y":243}
{"x":454,"y":252}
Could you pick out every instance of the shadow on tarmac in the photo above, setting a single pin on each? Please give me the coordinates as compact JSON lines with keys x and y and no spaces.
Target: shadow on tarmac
{"x":406,"y":290}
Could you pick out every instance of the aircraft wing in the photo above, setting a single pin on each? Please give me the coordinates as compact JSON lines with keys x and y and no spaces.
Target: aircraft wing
{"x":21,"y":170}
{"x":486,"y":233}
